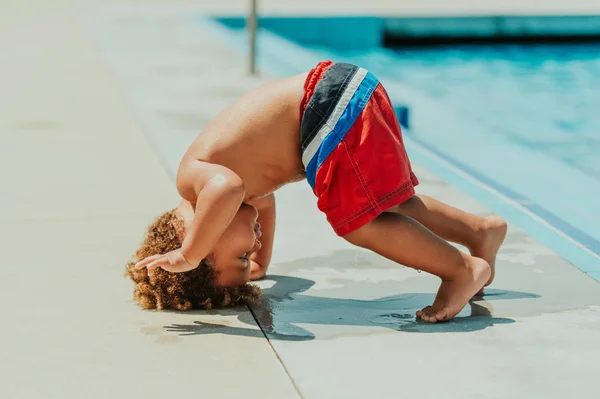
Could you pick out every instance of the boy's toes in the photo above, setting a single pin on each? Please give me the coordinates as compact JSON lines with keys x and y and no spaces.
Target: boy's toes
{"x":421,"y":313}
{"x":427,"y":314}
{"x":430,"y":315}
{"x":442,"y":314}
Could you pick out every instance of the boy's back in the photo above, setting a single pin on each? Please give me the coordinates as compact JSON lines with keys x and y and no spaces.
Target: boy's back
{"x":257,"y":137}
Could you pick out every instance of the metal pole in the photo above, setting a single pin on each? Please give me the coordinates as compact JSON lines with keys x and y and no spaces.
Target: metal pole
{"x":252,"y":25}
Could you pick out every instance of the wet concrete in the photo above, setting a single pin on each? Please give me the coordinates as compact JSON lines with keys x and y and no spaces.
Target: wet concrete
{"x":528,"y":289}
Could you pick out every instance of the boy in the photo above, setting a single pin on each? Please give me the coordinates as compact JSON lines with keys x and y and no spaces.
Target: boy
{"x":334,"y":126}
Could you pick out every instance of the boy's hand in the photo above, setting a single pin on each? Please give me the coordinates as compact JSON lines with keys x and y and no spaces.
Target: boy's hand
{"x":171,"y":261}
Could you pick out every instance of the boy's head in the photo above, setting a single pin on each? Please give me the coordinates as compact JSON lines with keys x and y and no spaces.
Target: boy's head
{"x":230,"y":258}
{"x":219,"y":281}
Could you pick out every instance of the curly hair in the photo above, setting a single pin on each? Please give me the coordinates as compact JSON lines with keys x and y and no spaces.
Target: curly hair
{"x":195,"y":289}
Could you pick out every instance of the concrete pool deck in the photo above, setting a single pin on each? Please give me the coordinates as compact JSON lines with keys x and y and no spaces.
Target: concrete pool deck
{"x":99,"y":111}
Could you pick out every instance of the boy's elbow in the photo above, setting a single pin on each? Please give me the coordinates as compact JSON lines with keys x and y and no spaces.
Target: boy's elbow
{"x":258,"y":271}
{"x":196,"y":177}
{"x":229,"y":183}
{"x":258,"y":275}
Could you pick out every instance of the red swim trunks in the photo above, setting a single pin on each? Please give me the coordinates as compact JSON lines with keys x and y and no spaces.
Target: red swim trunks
{"x":352,"y":146}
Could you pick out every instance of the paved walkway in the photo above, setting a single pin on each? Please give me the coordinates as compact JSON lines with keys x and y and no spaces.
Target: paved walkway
{"x":100,"y":107}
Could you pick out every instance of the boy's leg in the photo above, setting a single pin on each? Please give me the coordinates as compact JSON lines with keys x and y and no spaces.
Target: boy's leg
{"x":481,"y":235}
{"x":404,"y":240}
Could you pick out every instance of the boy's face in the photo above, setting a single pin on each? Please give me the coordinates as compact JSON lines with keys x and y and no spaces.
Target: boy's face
{"x":232,"y":253}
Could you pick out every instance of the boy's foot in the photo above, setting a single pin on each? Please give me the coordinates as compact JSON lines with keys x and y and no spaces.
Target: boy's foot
{"x":494,"y":233}
{"x":454,"y":295}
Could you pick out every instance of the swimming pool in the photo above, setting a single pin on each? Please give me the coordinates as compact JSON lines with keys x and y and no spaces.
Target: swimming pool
{"x":518,"y":120}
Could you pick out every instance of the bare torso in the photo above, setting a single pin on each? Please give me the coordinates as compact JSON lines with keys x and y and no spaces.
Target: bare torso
{"x":257,"y":137}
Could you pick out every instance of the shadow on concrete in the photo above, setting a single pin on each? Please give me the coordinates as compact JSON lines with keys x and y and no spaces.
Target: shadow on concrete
{"x":203,"y":328}
{"x":284,"y":307}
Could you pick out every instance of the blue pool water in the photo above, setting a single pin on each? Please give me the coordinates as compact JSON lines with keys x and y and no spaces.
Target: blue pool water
{"x":545,"y":98}
{"x":515,"y":126}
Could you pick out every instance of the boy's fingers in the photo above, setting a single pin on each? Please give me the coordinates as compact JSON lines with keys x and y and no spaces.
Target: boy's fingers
{"x":154,"y":264}
{"x":140,"y":265}
{"x":143,"y":263}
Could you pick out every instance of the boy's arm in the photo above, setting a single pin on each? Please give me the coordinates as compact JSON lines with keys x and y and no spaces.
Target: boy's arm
{"x":266,"y":217}
{"x":219,"y":193}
